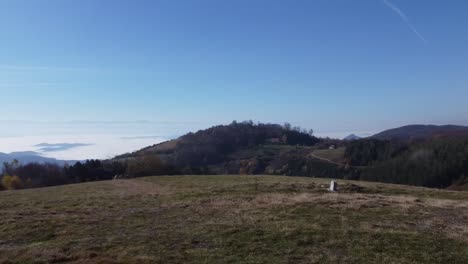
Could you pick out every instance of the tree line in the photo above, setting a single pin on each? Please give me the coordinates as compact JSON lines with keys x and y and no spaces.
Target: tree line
{"x":15,"y":175}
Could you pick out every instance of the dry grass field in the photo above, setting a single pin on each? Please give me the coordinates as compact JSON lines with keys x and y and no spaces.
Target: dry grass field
{"x":233,"y":219}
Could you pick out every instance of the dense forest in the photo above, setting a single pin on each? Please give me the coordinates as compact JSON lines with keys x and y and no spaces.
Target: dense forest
{"x":366,"y":152}
{"x":438,"y":162}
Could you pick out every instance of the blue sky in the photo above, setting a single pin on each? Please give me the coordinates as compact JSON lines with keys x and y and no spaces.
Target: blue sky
{"x":330,"y":65}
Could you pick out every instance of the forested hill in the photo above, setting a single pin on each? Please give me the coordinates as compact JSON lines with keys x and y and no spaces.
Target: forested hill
{"x":412,"y":132}
{"x":224,"y":139}
{"x":233,"y":148}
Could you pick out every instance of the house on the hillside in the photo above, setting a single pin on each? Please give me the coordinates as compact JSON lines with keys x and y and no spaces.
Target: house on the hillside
{"x":332,"y":147}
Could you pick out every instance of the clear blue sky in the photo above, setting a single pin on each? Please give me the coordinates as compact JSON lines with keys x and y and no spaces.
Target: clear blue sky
{"x":325,"y":64}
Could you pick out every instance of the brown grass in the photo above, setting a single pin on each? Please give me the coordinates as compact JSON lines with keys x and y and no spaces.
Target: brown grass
{"x":233,"y":219}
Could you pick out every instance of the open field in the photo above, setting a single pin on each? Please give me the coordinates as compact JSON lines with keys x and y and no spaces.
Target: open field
{"x":233,"y":219}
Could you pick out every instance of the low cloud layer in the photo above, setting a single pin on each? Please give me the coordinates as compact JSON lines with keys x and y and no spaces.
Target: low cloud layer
{"x":100,"y":146}
{"x":140,"y":137}
{"x":47,"y":147}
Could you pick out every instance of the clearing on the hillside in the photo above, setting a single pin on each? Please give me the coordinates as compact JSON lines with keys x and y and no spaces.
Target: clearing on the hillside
{"x":331,"y":155}
{"x":233,"y":219}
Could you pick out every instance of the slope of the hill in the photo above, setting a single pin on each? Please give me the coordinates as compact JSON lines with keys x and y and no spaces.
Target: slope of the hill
{"x":233,"y":219}
{"x":411,"y":132}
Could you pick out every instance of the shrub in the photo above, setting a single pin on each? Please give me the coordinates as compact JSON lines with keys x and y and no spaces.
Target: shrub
{"x":12,"y":182}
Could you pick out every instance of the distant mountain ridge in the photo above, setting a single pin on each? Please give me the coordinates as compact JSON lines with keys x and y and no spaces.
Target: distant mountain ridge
{"x":351,"y":137}
{"x":32,"y":157}
{"x":411,"y":132}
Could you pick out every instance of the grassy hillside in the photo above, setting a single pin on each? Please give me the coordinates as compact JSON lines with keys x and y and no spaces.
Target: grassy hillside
{"x":233,"y":219}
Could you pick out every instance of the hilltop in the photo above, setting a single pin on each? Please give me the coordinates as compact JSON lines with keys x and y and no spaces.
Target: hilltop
{"x":412,"y":132}
{"x":233,"y":219}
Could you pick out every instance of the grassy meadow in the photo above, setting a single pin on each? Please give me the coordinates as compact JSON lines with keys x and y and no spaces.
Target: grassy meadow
{"x":233,"y":219}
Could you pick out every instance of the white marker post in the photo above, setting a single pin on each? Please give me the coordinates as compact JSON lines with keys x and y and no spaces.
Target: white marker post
{"x":333,"y":186}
